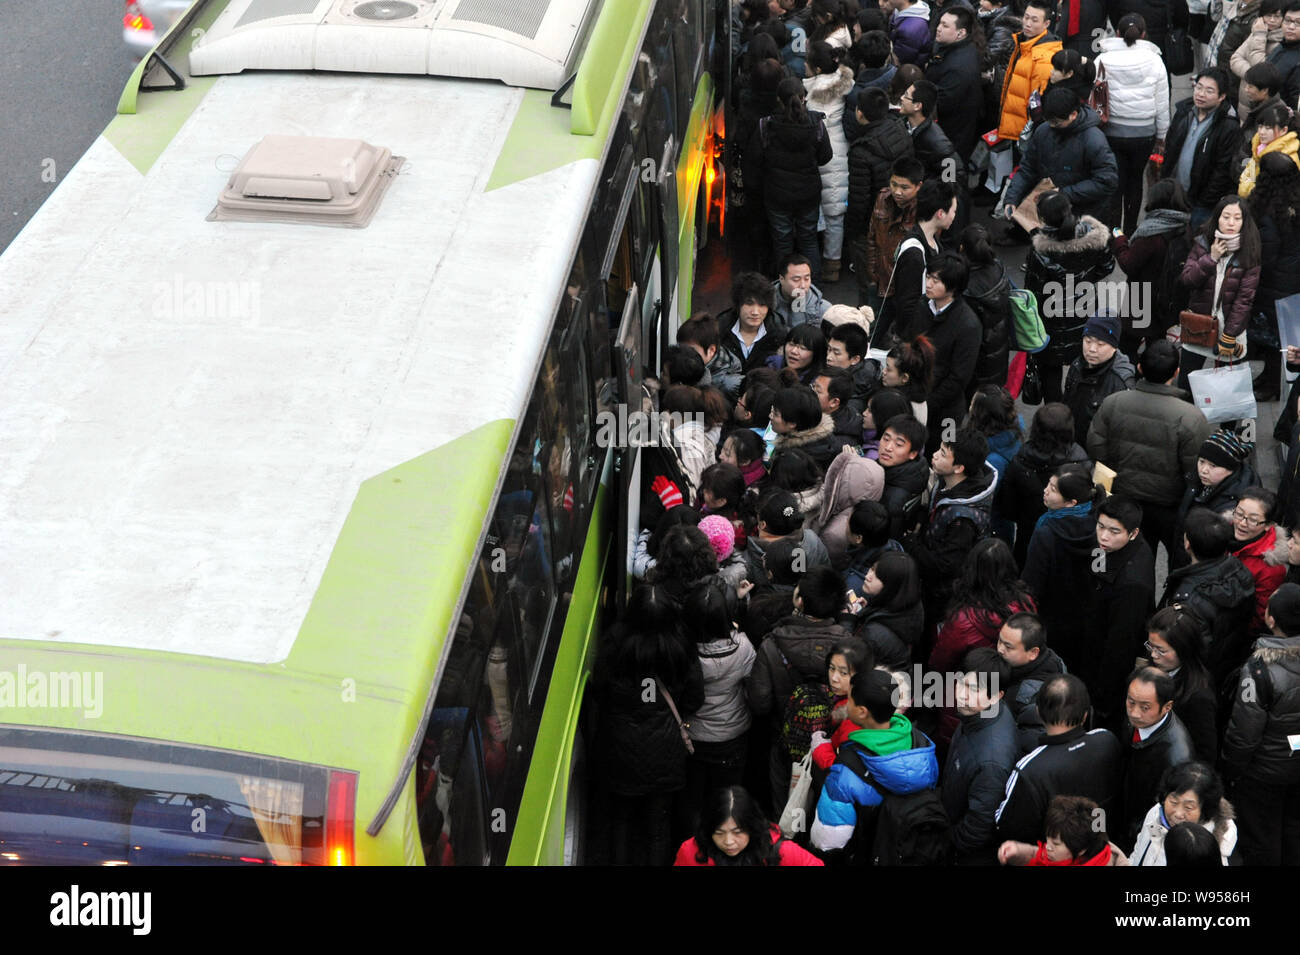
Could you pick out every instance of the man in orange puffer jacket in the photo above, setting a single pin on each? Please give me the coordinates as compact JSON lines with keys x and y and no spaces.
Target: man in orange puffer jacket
{"x":1029,"y":69}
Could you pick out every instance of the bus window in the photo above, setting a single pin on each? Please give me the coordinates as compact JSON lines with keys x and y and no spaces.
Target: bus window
{"x":449,"y":790}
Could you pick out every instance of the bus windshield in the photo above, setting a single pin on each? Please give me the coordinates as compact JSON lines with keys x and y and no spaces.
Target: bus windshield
{"x":71,"y":799}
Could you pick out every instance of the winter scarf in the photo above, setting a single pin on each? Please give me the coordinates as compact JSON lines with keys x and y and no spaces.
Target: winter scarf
{"x":1160,"y":221}
{"x":1079,"y":510}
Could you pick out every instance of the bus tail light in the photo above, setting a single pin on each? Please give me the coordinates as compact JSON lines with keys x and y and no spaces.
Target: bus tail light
{"x":134,"y":18}
{"x":340,"y":815}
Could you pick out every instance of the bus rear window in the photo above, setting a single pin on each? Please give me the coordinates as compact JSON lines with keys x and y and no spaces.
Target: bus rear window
{"x":79,"y":799}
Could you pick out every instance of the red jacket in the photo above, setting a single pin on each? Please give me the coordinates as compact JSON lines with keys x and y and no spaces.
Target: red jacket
{"x":1266,"y":561}
{"x":1104,"y":857}
{"x":791,"y":854}
{"x":824,"y":755}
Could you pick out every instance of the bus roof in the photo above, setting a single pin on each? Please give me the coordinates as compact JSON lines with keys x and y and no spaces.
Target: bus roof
{"x":191,"y":409}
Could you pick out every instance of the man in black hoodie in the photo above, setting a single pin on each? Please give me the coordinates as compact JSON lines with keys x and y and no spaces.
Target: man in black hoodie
{"x":1121,"y":600}
{"x":954,"y":69}
{"x":1218,"y":589}
{"x":906,"y":471}
{"x":1154,"y":740}
{"x":1022,"y":643}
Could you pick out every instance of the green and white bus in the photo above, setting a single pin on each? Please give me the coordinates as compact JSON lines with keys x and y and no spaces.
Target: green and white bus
{"x":305,"y":535}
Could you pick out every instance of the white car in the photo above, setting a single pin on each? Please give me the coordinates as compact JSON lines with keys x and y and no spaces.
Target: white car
{"x":147,"y":21}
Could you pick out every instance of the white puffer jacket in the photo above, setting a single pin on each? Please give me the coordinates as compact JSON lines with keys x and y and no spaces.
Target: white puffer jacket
{"x":1150,"y":846}
{"x":1139,"y":87}
{"x":826,"y":93}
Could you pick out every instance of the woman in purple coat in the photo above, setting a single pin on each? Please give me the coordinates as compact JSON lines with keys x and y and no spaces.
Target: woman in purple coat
{"x":1222,"y":273}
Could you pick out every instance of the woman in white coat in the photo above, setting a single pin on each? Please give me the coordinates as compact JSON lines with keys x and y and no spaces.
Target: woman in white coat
{"x":827,"y":83}
{"x":1139,"y":109}
{"x":1189,"y":792}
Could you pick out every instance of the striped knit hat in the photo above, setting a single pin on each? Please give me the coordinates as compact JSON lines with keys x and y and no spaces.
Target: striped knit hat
{"x":1226,"y":449}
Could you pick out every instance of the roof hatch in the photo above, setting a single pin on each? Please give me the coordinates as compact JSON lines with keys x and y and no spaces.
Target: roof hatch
{"x":311,"y":180}
{"x":533,"y":43}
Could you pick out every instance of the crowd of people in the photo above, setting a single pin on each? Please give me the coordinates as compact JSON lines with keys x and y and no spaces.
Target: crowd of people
{"x":879,"y":616}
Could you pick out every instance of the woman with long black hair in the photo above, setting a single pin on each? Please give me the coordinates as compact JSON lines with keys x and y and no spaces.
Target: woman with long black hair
{"x":733,"y":831}
{"x":638,"y":749}
{"x":783,"y":162}
{"x":892,"y":623}
{"x":1222,"y":273}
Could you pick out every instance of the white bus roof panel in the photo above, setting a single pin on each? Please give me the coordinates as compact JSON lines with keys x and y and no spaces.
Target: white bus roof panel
{"x":187,"y":408}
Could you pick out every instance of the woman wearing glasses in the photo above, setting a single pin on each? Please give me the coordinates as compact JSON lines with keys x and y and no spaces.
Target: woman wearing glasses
{"x":1261,"y":545}
{"x":1173,"y":646}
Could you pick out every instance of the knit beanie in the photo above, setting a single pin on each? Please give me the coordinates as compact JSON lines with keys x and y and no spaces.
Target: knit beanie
{"x":721,"y":535}
{"x":1103,"y":327}
{"x":861,"y":316}
{"x":1226,"y":450}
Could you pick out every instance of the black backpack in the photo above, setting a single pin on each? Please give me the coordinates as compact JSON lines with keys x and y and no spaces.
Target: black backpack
{"x":910,"y":829}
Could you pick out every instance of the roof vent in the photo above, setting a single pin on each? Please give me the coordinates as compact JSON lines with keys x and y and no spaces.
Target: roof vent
{"x":309,"y":180}
{"x":385,"y":10}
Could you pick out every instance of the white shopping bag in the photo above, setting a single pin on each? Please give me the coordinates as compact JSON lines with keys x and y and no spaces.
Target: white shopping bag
{"x":794,"y":818}
{"x":1224,"y":394}
{"x":1000,"y":165}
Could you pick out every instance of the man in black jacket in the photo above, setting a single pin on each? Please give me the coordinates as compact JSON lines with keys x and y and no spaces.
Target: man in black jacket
{"x":1286,"y":55}
{"x":954,"y":69}
{"x":1022,"y":643}
{"x":751,"y":329}
{"x":931,"y":144}
{"x":1258,"y":750}
{"x":1070,"y":149}
{"x":980,"y":758}
{"x":1201,"y":145}
{"x":906,"y":471}
{"x":955,"y":332}
{"x":1218,"y":589}
{"x":1154,"y":740}
{"x":1122,"y":598}
{"x":872,"y":155}
{"x":1070,"y":760}
{"x":1079,"y":23}
{"x":1098,"y":373}
{"x":905,"y":309}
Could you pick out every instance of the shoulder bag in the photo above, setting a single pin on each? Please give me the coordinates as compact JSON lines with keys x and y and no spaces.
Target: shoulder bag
{"x":1099,"y":98}
{"x":683,"y":727}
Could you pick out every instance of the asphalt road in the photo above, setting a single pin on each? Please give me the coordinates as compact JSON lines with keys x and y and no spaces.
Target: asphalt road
{"x":62,"y":68}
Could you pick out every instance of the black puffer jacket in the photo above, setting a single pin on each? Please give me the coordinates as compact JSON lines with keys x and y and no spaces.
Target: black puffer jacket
{"x":794,"y":652}
{"x":955,"y":69}
{"x":640,"y":748}
{"x":903,"y":486}
{"x":1074,"y":263}
{"x":1255,"y":745}
{"x":784,"y":158}
{"x":1020,"y":492}
{"x":1077,"y":23}
{"x":988,"y":293}
{"x":1086,"y":387}
{"x":1214,"y":170}
{"x":1077,"y":159}
{"x":955,"y":333}
{"x":869,"y":76}
{"x":1000,"y":28}
{"x":871,"y":156}
{"x":1221,"y":592}
{"x":1022,"y":695}
{"x":774,"y":335}
{"x":1155,"y":12}
{"x":1145,"y":762}
{"x":1286,"y":57}
{"x":892,"y":634}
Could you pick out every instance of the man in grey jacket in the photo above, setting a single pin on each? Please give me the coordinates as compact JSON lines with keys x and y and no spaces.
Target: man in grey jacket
{"x":797,"y":300}
{"x":1150,"y":438}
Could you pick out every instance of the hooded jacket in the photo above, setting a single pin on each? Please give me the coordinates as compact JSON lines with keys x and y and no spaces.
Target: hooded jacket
{"x":1118,"y":602}
{"x":892,"y":634}
{"x":1058,"y":570}
{"x":784,"y":158}
{"x":1073,"y":763}
{"x":1149,"y":849}
{"x":1020,"y":489}
{"x":1145,"y":761}
{"x":1214,"y":168}
{"x":981,"y":757}
{"x":1022,"y":695}
{"x":959,"y":517}
{"x":1028,"y":71}
{"x":726,"y":665}
{"x":1288,"y":144}
{"x":1000,"y":28}
{"x":1221,"y":593}
{"x":1138,"y":86}
{"x":1151,"y":437}
{"x":1087,"y":386}
{"x":1077,"y":159}
{"x":850,"y":480}
{"x":818,"y":442}
{"x":1255,"y":746}
{"x":897,"y":758}
{"x":955,"y":69}
{"x":909,"y":29}
{"x":871,"y":157}
{"x":988,"y":293}
{"x":904,"y":485}
{"x":1076,"y":262}
{"x":1266,"y":559}
{"x":826,"y":93}
{"x":793,"y":653}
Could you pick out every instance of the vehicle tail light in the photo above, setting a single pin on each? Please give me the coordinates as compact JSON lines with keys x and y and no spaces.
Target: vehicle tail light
{"x":340,"y":812}
{"x":134,"y":19}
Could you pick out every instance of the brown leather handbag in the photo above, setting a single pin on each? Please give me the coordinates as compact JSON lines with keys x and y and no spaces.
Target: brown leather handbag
{"x":1199,"y":330}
